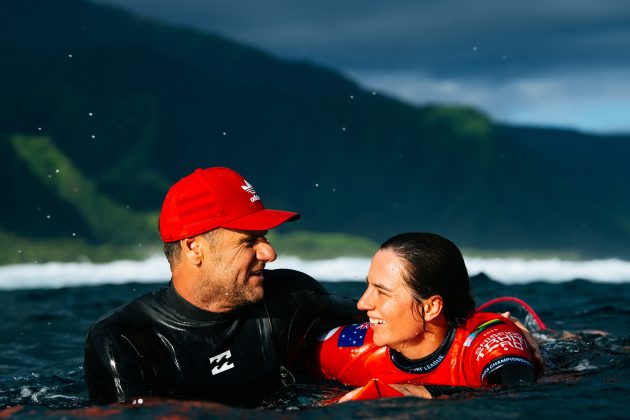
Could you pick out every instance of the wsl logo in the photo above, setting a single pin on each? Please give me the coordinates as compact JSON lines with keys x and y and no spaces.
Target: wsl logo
{"x":219,"y":367}
{"x":248,"y":187}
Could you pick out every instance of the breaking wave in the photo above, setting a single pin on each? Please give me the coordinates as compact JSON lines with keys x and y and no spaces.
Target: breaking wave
{"x":155,"y":269}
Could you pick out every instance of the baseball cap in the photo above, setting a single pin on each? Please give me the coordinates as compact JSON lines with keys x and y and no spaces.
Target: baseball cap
{"x":215,"y":197}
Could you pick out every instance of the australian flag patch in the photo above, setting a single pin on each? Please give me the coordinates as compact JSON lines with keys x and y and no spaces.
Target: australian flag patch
{"x":353,"y":335}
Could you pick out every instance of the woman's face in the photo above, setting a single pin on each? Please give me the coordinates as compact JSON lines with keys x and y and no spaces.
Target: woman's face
{"x":389,"y":304}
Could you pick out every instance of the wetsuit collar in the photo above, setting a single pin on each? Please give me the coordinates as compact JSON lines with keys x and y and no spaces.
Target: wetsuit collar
{"x":427,"y":363}
{"x":190,"y":311}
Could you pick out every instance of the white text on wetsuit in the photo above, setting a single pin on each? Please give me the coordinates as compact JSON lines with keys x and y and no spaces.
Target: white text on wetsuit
{"x":218,"y":368}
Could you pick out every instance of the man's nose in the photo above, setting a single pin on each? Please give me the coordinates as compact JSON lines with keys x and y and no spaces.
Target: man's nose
{"x":265,"y":252}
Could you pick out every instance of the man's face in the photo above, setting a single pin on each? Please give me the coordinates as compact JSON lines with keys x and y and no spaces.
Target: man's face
{"x":233,"y":273}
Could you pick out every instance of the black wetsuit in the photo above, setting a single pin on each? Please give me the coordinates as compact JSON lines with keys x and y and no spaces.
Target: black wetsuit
{"x":161,"y":345}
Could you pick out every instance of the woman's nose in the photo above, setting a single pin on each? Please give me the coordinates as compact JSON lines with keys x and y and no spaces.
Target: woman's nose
{"x":365,"y":303}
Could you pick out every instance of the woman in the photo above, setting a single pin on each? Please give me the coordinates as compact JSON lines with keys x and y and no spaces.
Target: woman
{"x":423,"y":337}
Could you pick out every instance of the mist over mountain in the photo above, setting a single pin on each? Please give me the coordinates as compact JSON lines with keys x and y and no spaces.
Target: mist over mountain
{"x":103,"y":110}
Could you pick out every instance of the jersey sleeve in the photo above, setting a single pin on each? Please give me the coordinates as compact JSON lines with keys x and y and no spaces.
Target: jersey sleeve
{"x":499,"y":354}
{"x":343,"y":354}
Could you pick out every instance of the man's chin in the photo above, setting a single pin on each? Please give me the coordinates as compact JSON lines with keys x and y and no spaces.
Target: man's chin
{"x":255,"y":294}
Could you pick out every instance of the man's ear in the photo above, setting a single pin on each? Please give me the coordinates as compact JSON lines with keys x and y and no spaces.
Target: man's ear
{"x":191,"y":250}
{"x":432,"y":307}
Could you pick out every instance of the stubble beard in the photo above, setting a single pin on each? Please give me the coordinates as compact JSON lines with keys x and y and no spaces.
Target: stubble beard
{"x":246,"y":294}
{"x":232,"y":294}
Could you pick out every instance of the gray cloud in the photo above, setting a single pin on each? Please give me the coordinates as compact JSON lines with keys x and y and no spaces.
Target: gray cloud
{"x":437,"y":37}
{"x":589,"y":102}
{"x":472,"y":44}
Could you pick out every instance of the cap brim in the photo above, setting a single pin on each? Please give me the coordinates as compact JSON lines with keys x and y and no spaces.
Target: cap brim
{"x":264,"y":219}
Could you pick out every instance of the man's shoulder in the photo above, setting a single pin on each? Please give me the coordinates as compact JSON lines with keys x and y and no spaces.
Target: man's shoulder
{"x":291,"y":281}
{"x":288,"y":290}
{"x":126,"y":316}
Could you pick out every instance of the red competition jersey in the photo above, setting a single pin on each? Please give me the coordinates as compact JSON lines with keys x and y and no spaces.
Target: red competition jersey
{"x":466,"y":357}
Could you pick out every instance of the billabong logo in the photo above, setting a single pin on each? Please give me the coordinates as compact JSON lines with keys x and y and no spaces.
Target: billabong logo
{"x":248,"y":187}
{"x":219,"y":368}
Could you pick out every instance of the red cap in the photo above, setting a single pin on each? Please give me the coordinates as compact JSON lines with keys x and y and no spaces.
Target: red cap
{"x":211,"y":198}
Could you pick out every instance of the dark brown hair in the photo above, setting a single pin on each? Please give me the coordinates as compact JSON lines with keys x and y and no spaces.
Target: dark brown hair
{"x":435,"y":266}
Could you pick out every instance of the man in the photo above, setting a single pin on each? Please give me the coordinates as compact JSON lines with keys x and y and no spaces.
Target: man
{"x":225,"y":329}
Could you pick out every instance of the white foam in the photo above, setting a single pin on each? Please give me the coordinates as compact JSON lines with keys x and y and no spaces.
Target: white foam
{"x":55,"y":275}
{"x":155,"y":269}
{"x":516,"y":270}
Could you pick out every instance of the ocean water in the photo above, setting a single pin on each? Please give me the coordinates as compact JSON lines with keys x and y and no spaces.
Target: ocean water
{"x":43,"y":325}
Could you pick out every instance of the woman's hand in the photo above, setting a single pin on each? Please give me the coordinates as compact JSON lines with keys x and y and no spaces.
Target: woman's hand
{"x":405,"y":389}
{"x":349,"y":395}
{"x":412,"y":390}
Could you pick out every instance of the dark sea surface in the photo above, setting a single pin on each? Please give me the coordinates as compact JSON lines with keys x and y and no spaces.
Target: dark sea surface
{"x":42,"y":334}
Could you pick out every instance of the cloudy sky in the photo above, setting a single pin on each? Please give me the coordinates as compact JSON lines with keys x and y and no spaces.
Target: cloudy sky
{"x":563,"y":63}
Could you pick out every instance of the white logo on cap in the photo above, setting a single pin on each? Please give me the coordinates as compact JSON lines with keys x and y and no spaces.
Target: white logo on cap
{"x":248,"y":187}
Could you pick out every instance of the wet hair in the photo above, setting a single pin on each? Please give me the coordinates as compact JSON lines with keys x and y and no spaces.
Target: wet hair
{"x":433,"y":265}
{"x":173,"y":250}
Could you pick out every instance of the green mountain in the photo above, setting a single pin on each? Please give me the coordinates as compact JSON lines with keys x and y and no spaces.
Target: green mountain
{"x":123,"y":107}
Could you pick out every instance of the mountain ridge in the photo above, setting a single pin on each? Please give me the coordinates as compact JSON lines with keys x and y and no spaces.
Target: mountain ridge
{"x":137,"y":108}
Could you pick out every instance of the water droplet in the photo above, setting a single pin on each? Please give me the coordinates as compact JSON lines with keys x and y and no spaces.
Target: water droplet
{"x":69,"y":55}
{"x":139,"y":244}
{"x":90,"y":114}
{"x":39,"y":129}
{"x":317,"y":185}
{"x":373,"y":93}
{"x":474,"y":48}
{"x":56,"y":171}
{"x":19,"y":251}
{"x":351,"y":96}
{"x":74,"y":234}
{"x":224,"y":133}
{"x":93,"y":136}
{"x":48,"y":216}
{"x":343,"y":128}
